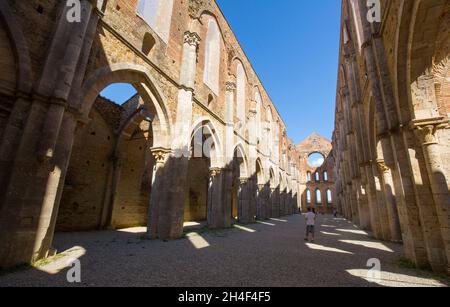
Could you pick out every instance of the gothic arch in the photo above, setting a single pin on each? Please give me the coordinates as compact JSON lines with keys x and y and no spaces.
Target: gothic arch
{"x":260,"y":178}
{"x":272,"y":178}
{"x":145,"y":85}
{"x":209,"y":128}
{"x":241,"y":93}
{"x":417,"y":50}
{"x":213,"y":16}
{"x":239,"y":149}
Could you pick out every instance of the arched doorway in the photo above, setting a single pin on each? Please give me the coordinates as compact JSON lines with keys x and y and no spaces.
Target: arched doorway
{"x":203,"y":196}
{"x":199,"y":165}
{"x":108,"y":181}
{"x":115,"y":163}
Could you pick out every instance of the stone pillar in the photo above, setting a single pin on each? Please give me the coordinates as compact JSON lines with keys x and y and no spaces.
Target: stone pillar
{"x":42,"y":152}
{"x":244,"y":201}
{"x":218,"y":215}
{"x":372,"y":201}
{"x":261,"y":213}
{"x":282,"y":198}
{"x":395,"y":233}
{"x":364,"y":215}
{"x":381,"y":204}
{"x":170,"y":175}
{"x":158,"y":190}
{"x":426,"y":131}
{"x":272,"y":202}
{"x":111,"y":192}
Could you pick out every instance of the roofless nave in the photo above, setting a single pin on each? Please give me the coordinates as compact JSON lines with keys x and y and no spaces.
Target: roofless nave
{"x":202,"y":141}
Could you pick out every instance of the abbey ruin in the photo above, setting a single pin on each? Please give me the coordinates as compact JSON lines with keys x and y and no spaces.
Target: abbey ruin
{"x":202,"y":141}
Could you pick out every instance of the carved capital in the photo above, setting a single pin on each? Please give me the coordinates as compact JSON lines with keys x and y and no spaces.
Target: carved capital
{"x":215,"y":171}
{"x":192,"y":38}
{"x":382,"y":167}
{"x":160,"y":154}
{"x":243,"y":181}
{"x":230,"y":86}
{"x":426,"y":129}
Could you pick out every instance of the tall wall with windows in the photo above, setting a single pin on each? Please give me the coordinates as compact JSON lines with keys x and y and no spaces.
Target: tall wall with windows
{"x":315,"y":158}
{"x":200,"y":125}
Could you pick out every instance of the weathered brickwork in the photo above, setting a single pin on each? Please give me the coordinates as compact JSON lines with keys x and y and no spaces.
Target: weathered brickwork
{"x":391,"y":140}
{"x":71,"y":160}
{"x":317,"y":188}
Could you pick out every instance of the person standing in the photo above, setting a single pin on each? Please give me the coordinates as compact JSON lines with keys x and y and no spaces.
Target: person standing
{"x":310,"y":217}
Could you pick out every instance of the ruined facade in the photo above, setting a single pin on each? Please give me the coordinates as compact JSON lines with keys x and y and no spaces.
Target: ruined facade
{"x":201,"y":141}
{"x":317,"y":187}
{"x":392,"y":138}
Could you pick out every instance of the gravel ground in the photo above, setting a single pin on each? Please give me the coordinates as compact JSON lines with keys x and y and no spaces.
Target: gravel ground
{"x":268,"y":254}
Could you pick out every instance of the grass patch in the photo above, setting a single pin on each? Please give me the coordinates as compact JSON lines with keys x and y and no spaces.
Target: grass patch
{"x":46,"y":261}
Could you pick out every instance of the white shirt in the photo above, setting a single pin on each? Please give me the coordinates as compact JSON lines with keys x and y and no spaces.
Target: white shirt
{"x":310,"y":218}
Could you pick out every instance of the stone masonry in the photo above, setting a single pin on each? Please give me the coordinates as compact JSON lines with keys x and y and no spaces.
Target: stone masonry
{"x":392,"y":139}
{"x":72,"y":160}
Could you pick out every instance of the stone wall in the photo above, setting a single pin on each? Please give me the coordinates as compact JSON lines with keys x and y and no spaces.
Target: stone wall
{"x":392,"y":127}
{"x":72,"y":160}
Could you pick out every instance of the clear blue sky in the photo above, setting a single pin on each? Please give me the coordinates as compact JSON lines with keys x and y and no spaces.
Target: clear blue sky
{"x":293,"y":46}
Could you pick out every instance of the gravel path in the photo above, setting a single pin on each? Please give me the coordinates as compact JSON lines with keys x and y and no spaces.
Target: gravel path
{"x":268,"y":254}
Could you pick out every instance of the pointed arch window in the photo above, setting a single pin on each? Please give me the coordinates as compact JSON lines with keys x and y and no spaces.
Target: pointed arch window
{"x":241,"y":84}
{"x":258,"y":102}
{"x":318,"y":197}
{"x":158,"y":14}
{"x":308,"y":176}
{"x":212,"y":57}
{"x":317,"y":176}
{"x":325,"y":176}
{"x":329,"y":196}
{"x":308,"y":196}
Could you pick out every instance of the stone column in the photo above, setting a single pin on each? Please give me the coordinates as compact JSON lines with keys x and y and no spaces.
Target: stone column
{"x":244,"y":201}
{"x":381,"y":206}
{"x":111,"y":192}
{"x":426,"y":131}
{"x":271,"y":202}
{"x":391,"y":204}
{"x":261,"y":212}
{"x":182,"y":131}
{"x":166,"y":217}
{"x":31,"y":200}
{"x":372,"y":201}
{"x":218,"y":215}
{"x":158,"y":191}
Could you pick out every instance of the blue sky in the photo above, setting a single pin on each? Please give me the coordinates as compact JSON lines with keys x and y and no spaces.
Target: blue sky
{"x":293,"y":46}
